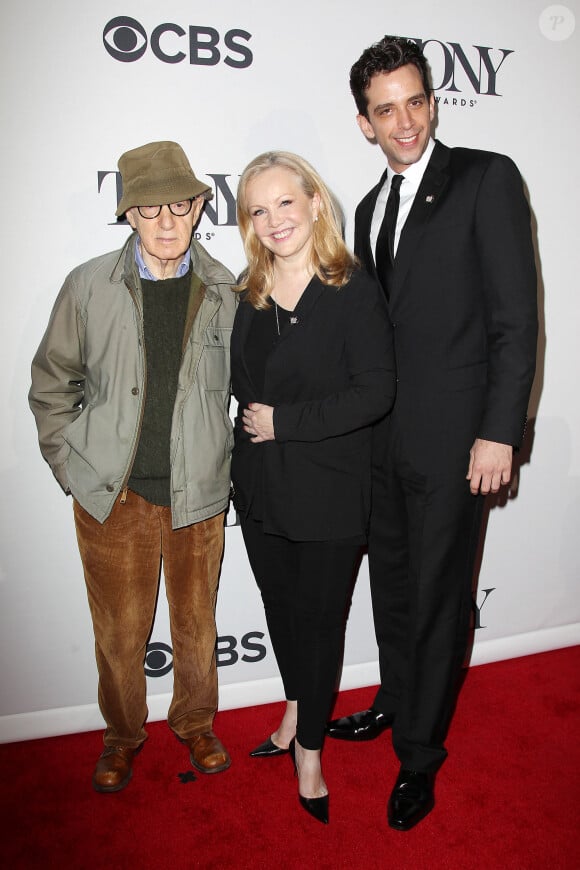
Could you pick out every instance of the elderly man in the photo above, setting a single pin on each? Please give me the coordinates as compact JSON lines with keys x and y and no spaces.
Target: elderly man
{"x":130,"y":391}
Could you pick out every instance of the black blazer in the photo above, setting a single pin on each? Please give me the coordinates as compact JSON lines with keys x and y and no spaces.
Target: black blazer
{"x":462,"y":299}
{"x":329,"y":377}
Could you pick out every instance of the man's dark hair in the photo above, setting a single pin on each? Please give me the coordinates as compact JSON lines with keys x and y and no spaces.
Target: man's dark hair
{"x":390,"y":53}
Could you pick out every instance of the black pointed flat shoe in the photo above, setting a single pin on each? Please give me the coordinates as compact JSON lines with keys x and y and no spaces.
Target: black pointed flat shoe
{"x":268,"y":749}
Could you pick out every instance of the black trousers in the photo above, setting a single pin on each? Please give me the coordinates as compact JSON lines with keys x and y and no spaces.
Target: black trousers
{"x":423,"y":540}
{"x":306,"y":589}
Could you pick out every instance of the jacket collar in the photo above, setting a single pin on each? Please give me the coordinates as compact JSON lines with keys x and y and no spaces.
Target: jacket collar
{"x":125,"y":270}
{"x":425,"y":204}
{"x":125,"y":267}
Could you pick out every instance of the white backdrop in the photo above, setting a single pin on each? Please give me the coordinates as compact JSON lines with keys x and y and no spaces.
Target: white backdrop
{"x":228,"y":81}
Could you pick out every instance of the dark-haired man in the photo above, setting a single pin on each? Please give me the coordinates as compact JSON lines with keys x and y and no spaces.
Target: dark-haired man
{"x":452,"y":248}
{"x":130,"y":390}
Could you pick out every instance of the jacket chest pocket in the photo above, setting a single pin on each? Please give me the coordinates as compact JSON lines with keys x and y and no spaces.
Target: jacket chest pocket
{"x":214,"y":365}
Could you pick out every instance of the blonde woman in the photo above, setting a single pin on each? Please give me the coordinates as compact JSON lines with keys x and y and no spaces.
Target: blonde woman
{"x":312,"y":370}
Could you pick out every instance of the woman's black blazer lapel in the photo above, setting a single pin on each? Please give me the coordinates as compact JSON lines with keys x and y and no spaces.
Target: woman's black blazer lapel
{"x":244,"y":316}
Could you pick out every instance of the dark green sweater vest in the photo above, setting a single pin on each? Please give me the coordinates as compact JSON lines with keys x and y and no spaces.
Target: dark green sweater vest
{"x":164,"y":311}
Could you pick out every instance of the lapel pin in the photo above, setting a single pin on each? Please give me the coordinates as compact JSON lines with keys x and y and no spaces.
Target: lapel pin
{"x":430,"y":198}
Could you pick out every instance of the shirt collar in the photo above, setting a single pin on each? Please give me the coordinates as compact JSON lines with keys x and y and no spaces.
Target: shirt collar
{"x":415,"y":171}
{"x":144,"y":272}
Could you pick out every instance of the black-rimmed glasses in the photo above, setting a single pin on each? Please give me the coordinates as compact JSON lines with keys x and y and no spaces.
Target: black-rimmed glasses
{"x":179,"y":209}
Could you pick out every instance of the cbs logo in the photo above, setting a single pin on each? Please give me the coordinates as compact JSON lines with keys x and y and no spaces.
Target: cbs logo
{"x":229,"y":650}
{"x":126,"y":40}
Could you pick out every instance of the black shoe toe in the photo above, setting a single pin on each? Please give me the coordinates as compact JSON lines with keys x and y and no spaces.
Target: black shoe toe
{"x":317,"y":807}
{"x":411,"y":799}
{"x":365,"y":725}
{"x":268,"y":749}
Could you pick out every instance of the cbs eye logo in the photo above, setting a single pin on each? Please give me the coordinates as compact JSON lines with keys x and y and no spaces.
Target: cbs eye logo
{"x":126,"y":40}
{"x":158,"y":660}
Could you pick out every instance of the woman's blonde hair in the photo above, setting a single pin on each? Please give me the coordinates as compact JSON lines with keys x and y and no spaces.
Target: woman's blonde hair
{"x":331,"y":261}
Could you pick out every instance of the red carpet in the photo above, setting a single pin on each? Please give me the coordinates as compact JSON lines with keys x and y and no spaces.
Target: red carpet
{"x":507,"y":798}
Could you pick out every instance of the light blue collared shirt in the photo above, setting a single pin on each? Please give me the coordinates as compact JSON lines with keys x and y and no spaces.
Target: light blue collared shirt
{"x":144,"y":272}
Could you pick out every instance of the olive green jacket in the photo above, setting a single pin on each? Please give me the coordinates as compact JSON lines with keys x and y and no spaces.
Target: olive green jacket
{"x":89,"y":383}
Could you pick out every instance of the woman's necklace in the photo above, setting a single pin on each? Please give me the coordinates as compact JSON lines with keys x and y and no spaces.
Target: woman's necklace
{"x":292,"y":319}
{"x":296,"y":297}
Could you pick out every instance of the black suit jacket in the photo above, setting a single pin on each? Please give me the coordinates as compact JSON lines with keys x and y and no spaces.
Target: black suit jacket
{"x":329,"y":377}
{"x":462,"y":299}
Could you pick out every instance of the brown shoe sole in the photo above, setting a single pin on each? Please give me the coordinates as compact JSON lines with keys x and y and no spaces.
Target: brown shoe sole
{"x":108,"y":789}
{"x":211,"y":769}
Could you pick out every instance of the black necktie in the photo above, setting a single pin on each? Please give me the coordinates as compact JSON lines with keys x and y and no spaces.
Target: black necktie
{"x":385,"y":250}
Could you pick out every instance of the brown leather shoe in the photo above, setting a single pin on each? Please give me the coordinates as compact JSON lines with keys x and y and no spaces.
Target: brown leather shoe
{"x":114,"y":768}
{"x":207,"y":753}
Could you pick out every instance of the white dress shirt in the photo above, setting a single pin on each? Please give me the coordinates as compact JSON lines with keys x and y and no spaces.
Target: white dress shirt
{"x":412,"y":177}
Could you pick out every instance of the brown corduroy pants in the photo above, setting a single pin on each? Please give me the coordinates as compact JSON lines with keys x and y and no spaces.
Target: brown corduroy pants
{"x":122,"y":560}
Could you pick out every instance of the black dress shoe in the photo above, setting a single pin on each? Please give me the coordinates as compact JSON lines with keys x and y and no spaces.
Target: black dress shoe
{"x":268,"y":749}
{"x":411,"y":799}
{"x":317,"y":807}
{"x":360,"y":726}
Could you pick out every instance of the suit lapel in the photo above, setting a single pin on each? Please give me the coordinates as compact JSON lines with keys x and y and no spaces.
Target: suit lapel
{"x":362,"y":242}
{"x":425,"y":204}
